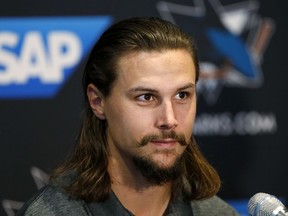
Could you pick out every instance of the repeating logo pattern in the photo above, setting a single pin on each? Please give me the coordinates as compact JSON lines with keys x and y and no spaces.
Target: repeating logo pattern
{"x":232,"y":40}
{"x":38,"y":55}
{"x":40,"y":178}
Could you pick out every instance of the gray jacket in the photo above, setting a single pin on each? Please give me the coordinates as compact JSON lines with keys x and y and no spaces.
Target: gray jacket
{"x":52,"y":201}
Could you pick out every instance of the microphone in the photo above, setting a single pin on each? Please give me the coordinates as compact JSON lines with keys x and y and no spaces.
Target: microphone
{"x":263,"y":204}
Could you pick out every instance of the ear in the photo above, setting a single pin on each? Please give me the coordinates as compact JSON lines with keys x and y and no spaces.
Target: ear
{"x":96,"y":101}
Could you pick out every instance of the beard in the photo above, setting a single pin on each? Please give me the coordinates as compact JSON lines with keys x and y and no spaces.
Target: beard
{"x":152,"y":171}
{"x":155,"y":174}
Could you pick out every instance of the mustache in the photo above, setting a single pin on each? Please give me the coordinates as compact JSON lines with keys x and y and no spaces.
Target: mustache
{"x":180,"y":138}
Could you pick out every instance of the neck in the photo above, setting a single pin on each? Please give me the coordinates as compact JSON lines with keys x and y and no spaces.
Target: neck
{"x":138,"y":199}
{"x":136,"y":194}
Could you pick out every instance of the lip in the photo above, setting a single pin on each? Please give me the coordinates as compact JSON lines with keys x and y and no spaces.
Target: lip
{"x":165,"y":143}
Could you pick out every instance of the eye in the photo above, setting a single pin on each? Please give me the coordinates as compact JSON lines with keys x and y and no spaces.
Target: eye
{"x":145,"y":97}
{"x":182,"y":95}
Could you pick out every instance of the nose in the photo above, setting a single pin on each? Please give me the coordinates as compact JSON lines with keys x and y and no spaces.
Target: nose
{"x":166,"y":119}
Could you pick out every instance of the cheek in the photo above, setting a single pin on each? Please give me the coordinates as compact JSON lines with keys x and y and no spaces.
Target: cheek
{"x":186,"y":118}
{"x":127,"y":122}
{"x":139,"y":121}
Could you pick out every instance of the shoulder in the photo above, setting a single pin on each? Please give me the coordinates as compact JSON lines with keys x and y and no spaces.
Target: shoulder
{"x":52,"y":200}
{"x":213,"y":206}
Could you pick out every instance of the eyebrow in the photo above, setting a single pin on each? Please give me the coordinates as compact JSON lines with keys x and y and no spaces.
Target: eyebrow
{"x":145,"y":89}
{"x":189,"y":85}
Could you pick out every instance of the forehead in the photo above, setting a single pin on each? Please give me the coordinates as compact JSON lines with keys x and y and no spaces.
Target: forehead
{"x":154,"y":66}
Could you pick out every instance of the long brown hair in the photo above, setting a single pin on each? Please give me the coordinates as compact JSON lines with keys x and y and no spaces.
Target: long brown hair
{"x":88,"y":163}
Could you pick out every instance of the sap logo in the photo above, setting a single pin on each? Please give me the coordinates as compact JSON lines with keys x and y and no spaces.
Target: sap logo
{"x":38,"y":55}
{"x":64,"y":50}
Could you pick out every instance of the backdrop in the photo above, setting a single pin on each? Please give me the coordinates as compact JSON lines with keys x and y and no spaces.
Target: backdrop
{"x":242,"y":108}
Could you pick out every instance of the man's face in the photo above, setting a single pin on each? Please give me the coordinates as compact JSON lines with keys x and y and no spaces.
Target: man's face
{"x":153,"y":97}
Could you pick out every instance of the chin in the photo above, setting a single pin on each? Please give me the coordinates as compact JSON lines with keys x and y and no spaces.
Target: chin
{"x":165,"y":163}
{"x":159,"y":170}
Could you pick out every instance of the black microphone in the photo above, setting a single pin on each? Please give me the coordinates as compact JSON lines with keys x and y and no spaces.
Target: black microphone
{"x":263,"y":204}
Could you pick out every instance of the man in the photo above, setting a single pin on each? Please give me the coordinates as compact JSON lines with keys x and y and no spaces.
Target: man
{"x":135,"y":153}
